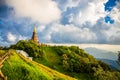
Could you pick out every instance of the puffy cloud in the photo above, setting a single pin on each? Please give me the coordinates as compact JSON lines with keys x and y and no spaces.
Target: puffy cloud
{"x":84,"y":10}
{"x":83,"y":21}
{"x":91,"y":14}
{"x":11,"y":37}
{"x":113,"y":32}
{"x":65,"y":4}
{"x":112,"y":35}
{"x":43,"y":11}
{"x":71,"y":4}
{"x":115,"y":13}
{"x":91,"y":11}
{"x":70,"y":34}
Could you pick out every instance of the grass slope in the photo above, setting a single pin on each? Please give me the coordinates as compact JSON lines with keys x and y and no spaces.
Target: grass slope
{"x":20,"y":68}
{"x":72,"y":61}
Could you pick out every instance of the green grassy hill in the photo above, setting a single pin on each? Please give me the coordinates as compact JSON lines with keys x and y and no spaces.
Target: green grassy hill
{"x":20,"y":68}
{"x":72,"y":61}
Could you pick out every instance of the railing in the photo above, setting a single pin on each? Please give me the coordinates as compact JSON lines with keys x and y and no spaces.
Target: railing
{"x":2,"y":59}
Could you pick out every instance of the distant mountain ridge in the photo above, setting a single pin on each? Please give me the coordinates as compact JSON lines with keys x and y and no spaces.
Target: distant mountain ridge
{"x":101,"y":54}
{"x":113,"y":63}
{"x":105,"y":56}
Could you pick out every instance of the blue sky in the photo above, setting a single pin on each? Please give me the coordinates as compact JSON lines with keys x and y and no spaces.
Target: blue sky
{"x":60,"y":21}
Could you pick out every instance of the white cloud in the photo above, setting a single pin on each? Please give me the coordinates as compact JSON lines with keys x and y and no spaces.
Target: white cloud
{"x":71,"y":4}
{"x":11,"y":37}
{"x":115,"y":13}
{"x":113,"y":35}
{"x":70,"y":33}
{"x":91,"y":11}
{"x":43,"y":11}
{"x":41,"y":28}
{"x":47,"y":37}
{"x":21,"y":37}
{"x":113,"y":32}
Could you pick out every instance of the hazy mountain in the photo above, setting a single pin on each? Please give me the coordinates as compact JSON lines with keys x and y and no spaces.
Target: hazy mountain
{"x":104,"y":54}
{"x":113,"y":63}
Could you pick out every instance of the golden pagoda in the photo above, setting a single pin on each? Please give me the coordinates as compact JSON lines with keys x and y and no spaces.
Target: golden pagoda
{"x":34,"y":36}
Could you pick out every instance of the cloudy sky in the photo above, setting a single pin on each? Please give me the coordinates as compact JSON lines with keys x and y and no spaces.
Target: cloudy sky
{"x":60,"y":21}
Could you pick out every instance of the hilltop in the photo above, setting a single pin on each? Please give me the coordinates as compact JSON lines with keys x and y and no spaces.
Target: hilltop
{"x":72,"y":61}
{"x":17,"y":67}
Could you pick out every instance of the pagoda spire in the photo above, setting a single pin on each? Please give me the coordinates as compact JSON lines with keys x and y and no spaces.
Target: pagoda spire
{"x":34,"y":36}
{"x":34,"y":28}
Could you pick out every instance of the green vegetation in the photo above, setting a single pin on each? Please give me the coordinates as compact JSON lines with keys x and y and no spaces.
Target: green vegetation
{"x":72,"y":61}
{"x":20,"y":68}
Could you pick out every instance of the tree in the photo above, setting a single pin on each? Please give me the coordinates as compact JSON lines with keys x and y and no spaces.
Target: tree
{"x":65,"y":62}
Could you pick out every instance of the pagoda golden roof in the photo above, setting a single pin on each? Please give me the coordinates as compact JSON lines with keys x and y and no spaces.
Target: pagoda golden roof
{"x":35,"y":28}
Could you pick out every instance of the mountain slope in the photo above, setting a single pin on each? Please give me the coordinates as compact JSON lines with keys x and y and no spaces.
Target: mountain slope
{"x":72,"y":61}
{"x":20,"y":68}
